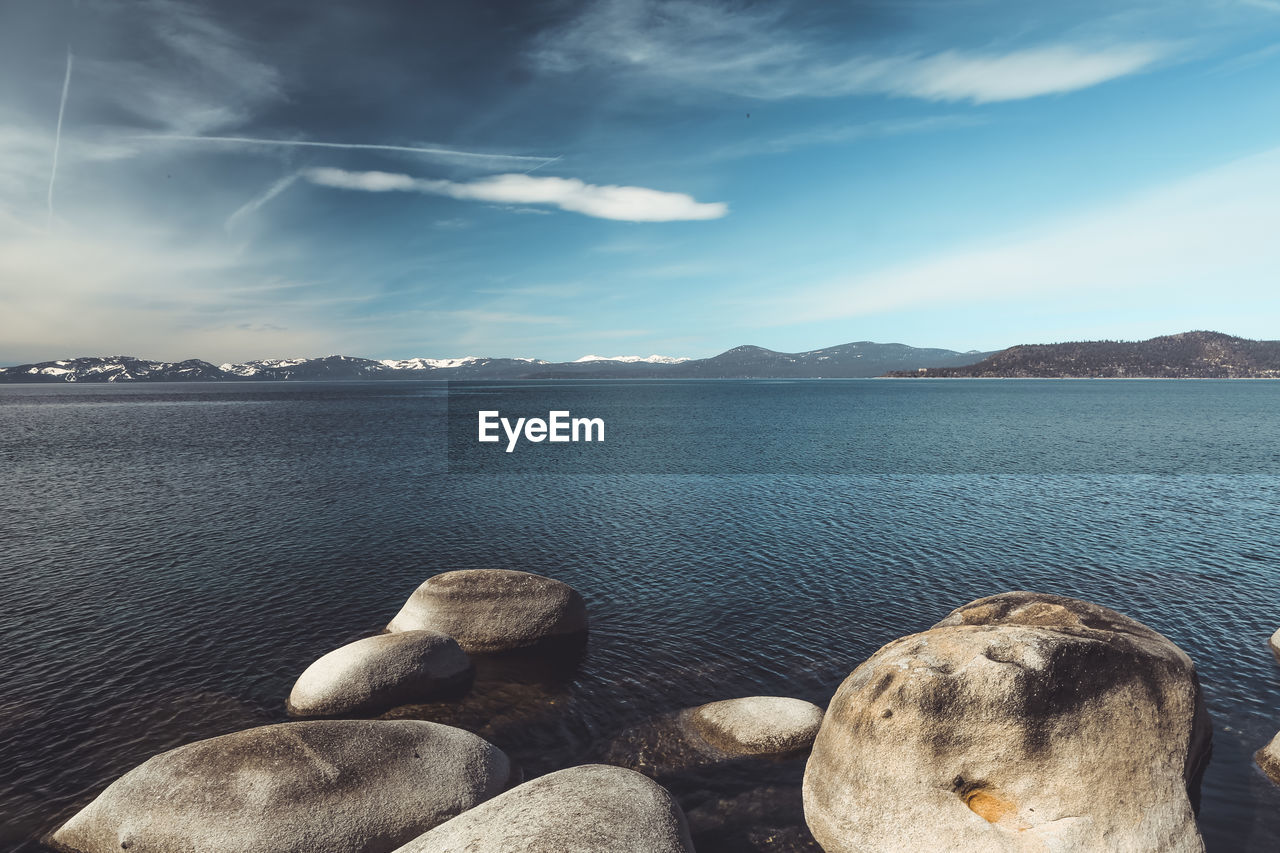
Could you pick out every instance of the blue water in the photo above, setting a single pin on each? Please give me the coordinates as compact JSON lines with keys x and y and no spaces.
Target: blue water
{"x":172,"y":556}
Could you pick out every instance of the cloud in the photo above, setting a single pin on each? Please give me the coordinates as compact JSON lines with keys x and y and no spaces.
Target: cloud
{"x":193,"y":74}
{"x":983,"y":78}
{"x":842,"y":134}
{"x":1208,"y":237}
{"x":1243,"y":61}
{"x":184,"y":73}
{"x":630,"y":204}
{"x":374,"y":182}
{"x":145,"y":292}
{"x":751,"y":53}
{"x":448,"y":155}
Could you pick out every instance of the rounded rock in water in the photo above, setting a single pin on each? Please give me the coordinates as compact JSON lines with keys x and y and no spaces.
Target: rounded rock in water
{"x":590,"y":809}
{"x":757,"y":725}
{"x":363,"y":786}
{"x":493,"y":610}
{"x":1268,"y":758}
{"x":378,"y":673}
{"x":1021,"y":722}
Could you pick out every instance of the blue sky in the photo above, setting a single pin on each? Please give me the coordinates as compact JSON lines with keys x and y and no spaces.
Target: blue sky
{"x":245,"y":180}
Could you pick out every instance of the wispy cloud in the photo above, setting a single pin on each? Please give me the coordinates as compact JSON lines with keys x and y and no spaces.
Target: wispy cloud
{"x":570,"y":290}
{"x":842,"y":134}
{"x":57,"y":137}
{"x":751,"y":53}
{"x":522,"y":211}
{"x":983,"y":78}
{"x":145,"y":292}
{"x":190,"y":75}
{"x":630,"y":204}
{"x":444,"y":154}
{"x":1243,"y":61}
{"x":1215,"y":227}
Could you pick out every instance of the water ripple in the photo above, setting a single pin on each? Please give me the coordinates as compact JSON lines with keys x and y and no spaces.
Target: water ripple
{"x":170,"y":569}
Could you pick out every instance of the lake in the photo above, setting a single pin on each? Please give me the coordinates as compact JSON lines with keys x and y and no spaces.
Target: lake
{"x":174,"y":555}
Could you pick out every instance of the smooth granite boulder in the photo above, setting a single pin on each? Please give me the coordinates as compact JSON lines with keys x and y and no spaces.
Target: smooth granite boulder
{"x":378,"y":673}
{"x":1268,"y":759}
{"x":589,"y":809}
{"x":339,"y":786}
{"x":757,"y":725}
{"x":1275,"y":644}
{"x":493,"y":610}
{"x":1021,"y":722}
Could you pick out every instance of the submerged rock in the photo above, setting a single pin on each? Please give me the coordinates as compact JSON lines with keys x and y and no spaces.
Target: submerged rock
{"x":757,"y":725}
{"x":589,"y":809}
{"x":493,"y":610}
{"x":1268,"y":759}
{"x":357,"y":786}
{"x":1021,"y":722}
{"x":379,"y":673}
{"x":755,"y":820}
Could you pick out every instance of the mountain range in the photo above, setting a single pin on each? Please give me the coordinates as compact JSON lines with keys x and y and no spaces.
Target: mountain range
{"x":853,"y":360}
{"x":1189,"y":355}
{"x":1199,"y":354}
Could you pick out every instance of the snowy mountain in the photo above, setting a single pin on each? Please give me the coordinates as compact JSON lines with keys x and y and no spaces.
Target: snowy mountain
{"x":428,"y":363}
{"x":861,"y":359}
{"x":329,"y":367}
{"x":633,"y":359}
{"x":118,"y":368}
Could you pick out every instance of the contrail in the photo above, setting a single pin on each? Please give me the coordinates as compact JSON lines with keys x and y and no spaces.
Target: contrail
{"x":254,"y":204}
{"x":57,"y":138}
{"x":547,"y":162}
{"x":444,"y":152}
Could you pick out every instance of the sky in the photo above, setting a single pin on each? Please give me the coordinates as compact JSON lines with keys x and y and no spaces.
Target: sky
{"x":236,"y":180}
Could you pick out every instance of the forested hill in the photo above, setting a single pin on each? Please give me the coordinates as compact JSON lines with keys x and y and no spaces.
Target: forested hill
{"x":1205,"y":355}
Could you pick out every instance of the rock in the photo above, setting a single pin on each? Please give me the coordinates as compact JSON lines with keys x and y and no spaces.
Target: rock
{"x":1021,"y":722}
{"x":1268,"y":759}
{"x":589,"y":809}
{"x":379,"y":673}
{"x":357,"y":786}
{"x":757,"y":725}
{"x":493,"y":610}
{"x":1275,"y":644}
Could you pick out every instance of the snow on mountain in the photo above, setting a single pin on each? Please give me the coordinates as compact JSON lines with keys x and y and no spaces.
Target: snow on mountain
{"x":253,"y":368}
{"x":861,"y":358}
{"x":118,"y":368}
{"x":633,"y":359}
{"x":444,"y":363}
{"x":429,"y":363}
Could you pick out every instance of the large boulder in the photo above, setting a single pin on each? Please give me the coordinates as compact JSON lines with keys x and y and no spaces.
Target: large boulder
{"x":1021,"y":722}
{"x":1268,"y":759}
{"x":1275,"y":644}
{"x":589,"y":809}
{"x":493,"y":610}
{"x":757,"y":725}
{"x":378,"y":673}
{"x":355,"y":786}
